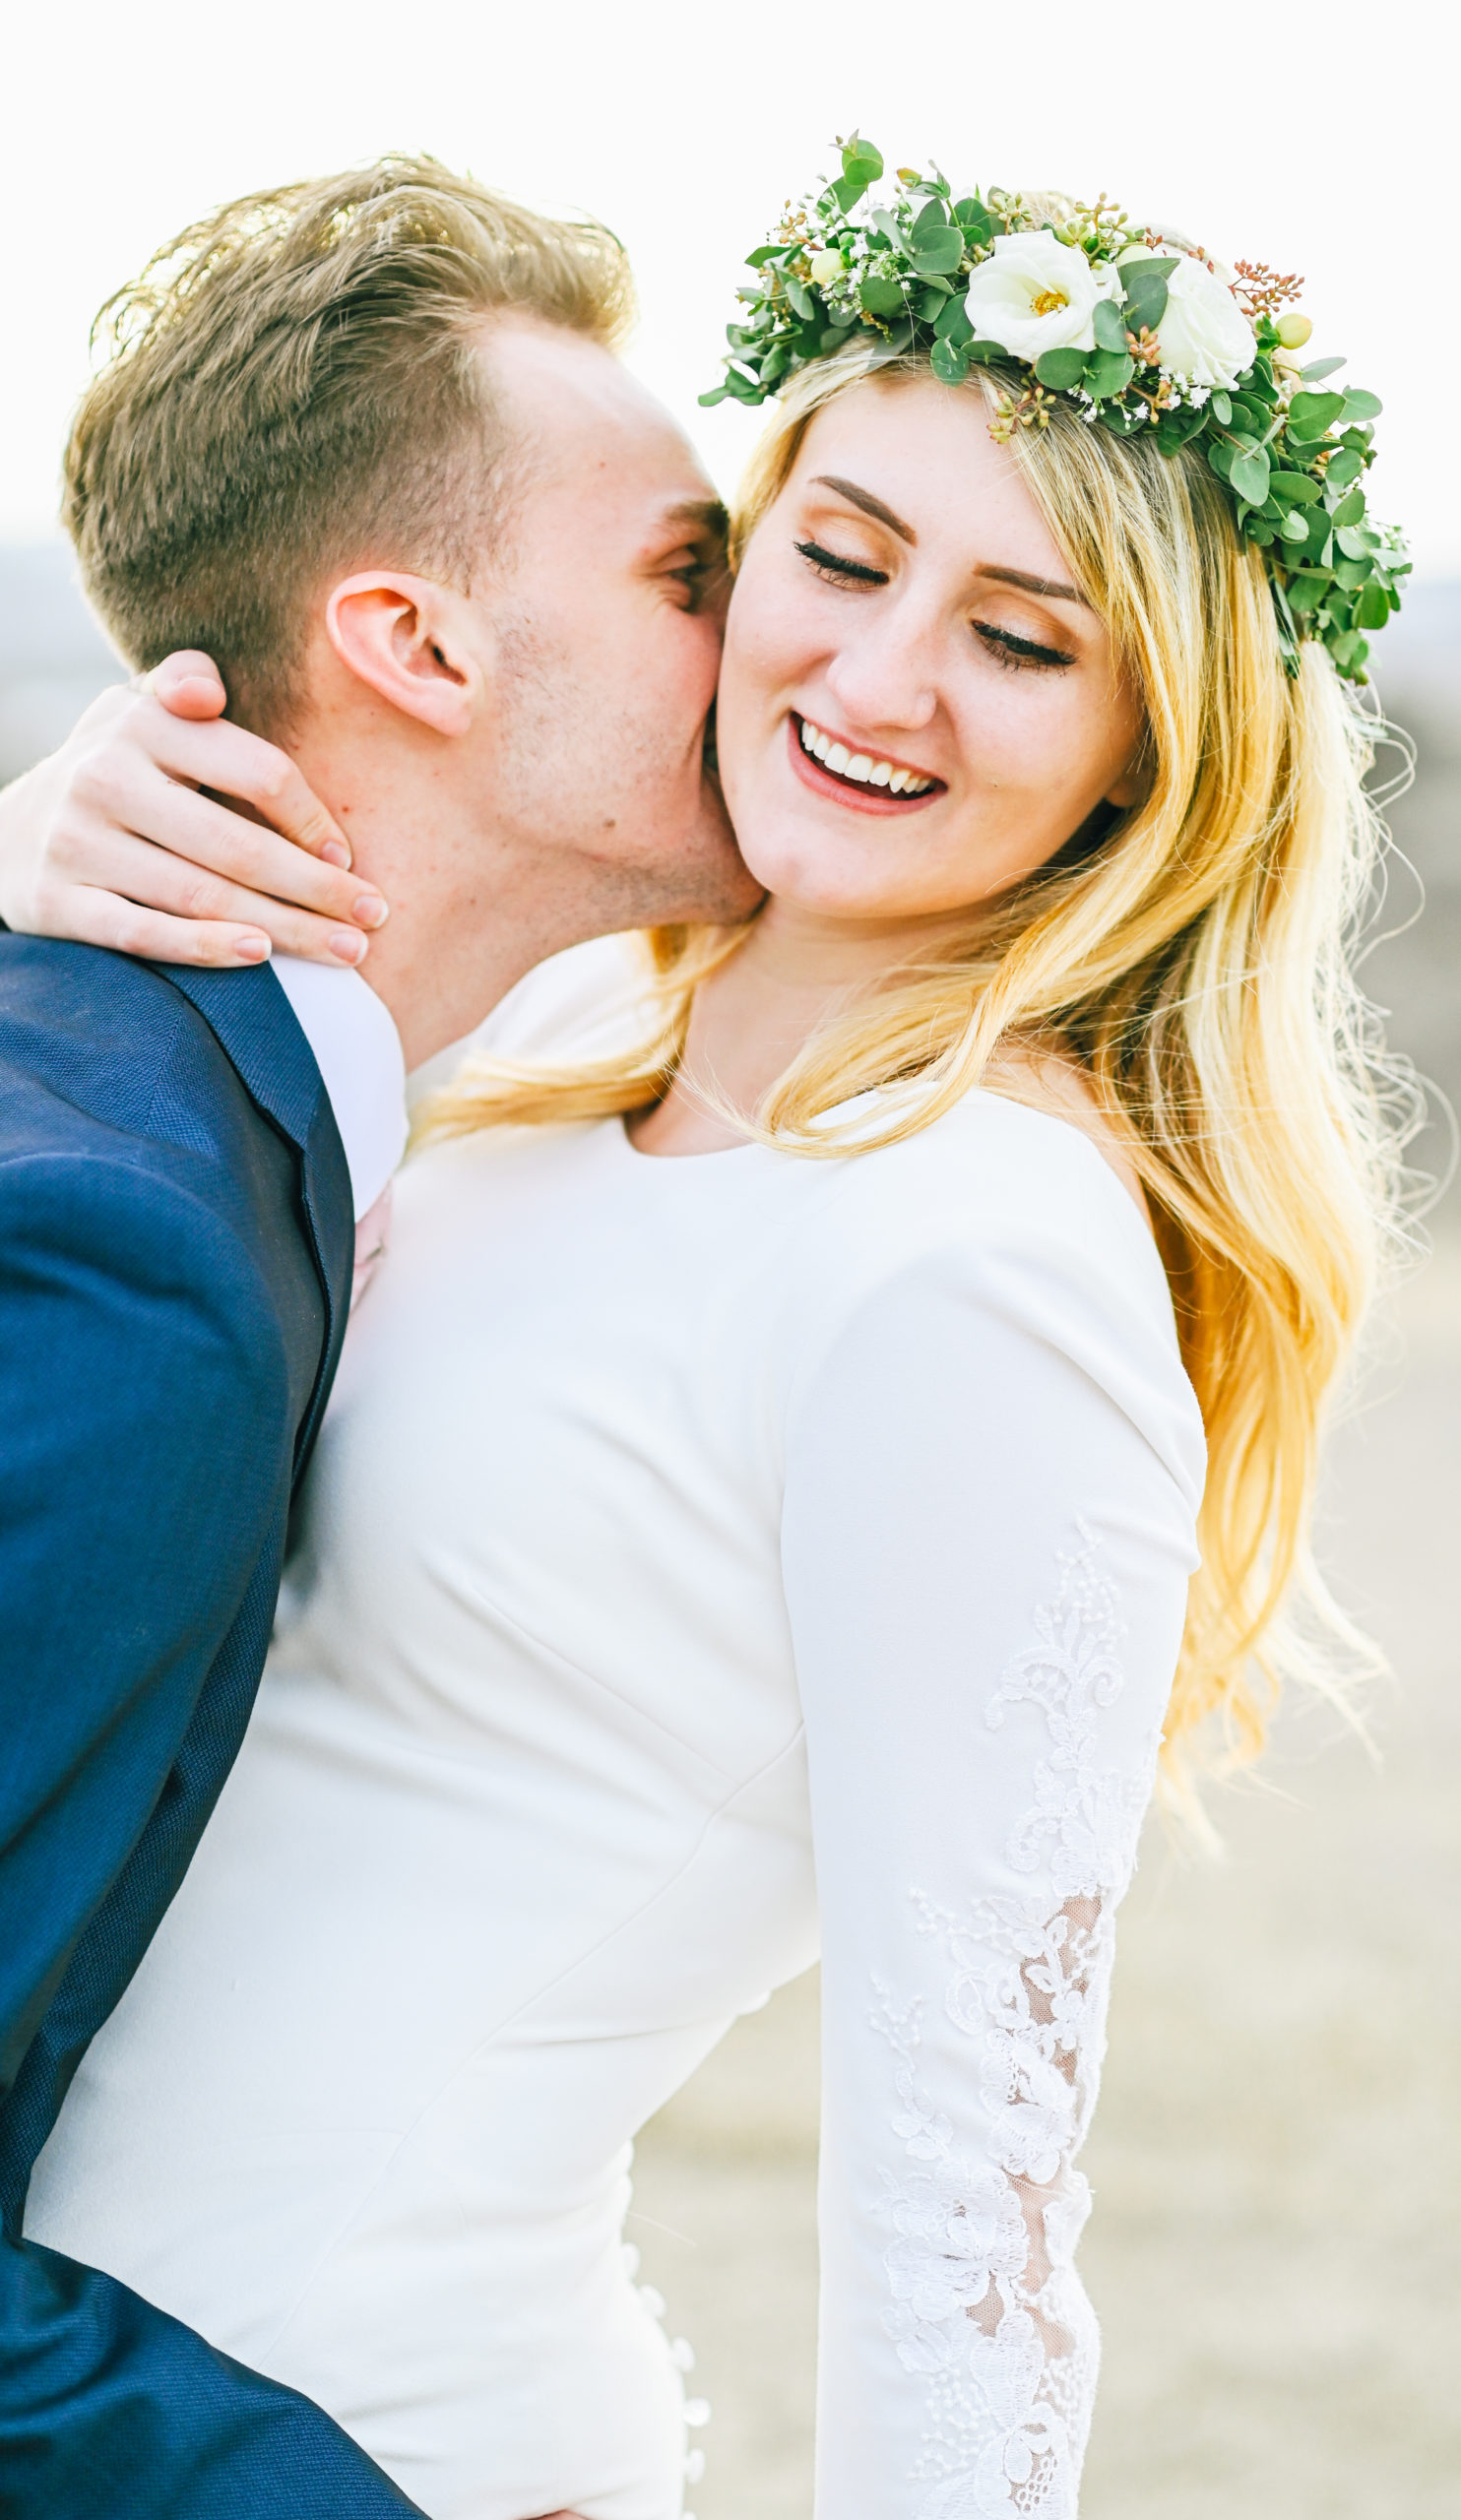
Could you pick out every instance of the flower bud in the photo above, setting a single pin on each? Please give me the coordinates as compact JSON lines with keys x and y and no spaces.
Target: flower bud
{"x":1293,"y":330}
{"x":826,"y":266}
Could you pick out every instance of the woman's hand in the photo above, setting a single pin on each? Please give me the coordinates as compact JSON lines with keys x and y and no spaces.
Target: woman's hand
{"x":113,"y":841}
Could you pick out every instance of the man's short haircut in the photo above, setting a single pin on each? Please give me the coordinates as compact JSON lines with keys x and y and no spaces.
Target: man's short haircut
{"x":291,"y":392}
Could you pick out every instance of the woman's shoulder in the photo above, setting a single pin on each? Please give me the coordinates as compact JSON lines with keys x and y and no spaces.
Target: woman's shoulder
{"x":1008,"y":1205}
{"x":1027,"y":1158}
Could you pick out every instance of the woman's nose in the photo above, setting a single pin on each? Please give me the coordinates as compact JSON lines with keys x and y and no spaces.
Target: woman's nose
{"x":885,"y":677}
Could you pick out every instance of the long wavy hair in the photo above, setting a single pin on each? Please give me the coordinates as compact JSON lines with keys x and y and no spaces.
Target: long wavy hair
{"x":1195,"y":958}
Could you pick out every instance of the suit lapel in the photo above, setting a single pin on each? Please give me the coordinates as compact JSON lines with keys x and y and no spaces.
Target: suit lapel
{"x":266,"y":1045}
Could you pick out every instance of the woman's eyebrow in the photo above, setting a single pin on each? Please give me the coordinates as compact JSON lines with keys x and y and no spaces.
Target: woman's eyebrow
{"x":876,"y":507}
{"x":1036,"y":586}
{"x":864,"y":500}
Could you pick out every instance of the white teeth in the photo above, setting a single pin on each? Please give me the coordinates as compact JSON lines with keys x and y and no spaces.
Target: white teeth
{"x":860,"y":765}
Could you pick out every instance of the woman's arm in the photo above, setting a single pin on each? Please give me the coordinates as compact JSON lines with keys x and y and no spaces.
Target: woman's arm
{"x":113,"y":841}
{"x":987,"y":1566}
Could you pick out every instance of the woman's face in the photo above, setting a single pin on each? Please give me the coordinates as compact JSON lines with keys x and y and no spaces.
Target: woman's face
{"x":904,"y":602}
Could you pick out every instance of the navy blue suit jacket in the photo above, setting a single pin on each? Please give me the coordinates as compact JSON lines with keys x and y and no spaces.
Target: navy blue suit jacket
{"x":175,"y":1250}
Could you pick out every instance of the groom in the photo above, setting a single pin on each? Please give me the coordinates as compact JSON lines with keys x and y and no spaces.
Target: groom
{"x":367,"y":442}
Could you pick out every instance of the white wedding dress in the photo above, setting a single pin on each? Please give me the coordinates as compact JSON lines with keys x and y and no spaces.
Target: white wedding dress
{"x":708,"y":1560}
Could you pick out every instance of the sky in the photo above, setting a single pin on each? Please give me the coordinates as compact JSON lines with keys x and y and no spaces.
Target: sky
{"x":1316,"y":140}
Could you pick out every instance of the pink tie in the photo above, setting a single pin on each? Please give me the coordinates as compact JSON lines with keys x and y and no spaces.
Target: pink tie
{"x":372,"y":1233}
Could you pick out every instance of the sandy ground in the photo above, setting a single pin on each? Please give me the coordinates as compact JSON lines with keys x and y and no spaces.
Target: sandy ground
{"x":1276,"y":2248}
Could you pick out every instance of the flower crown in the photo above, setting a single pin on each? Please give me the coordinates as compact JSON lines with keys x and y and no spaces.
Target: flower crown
{"x":1141,"y":330}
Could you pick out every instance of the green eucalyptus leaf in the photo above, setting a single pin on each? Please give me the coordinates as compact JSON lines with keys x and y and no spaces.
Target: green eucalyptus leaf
{"x":1248,"y":475}
{"x":1146,"y":304}
{"x":1294,"y":528}
{"x":1360,"y":406}
{"x":952,"y":324}
{"x":1061,"y":369}
{"x":1306,"y":590}
{"x":881,"y":296}
{"x":1107,"y":372}
{"x":1310,"y":414}
{"x":1355,"y":540}
{"x":940,"y":250}
{"x":1351,"y":574}
{"x":1319,"y":547}
{"x":800,"y":299}
{"x":1350,"y":508}
{"x":1373,"y":610}
{"x":1111,"y":326}
{"x":974,"y":221}
{"x":860,"y":157}
{"x":1319,"y":368}
{"x":950,"y":361}
{"x":1248,"y":416}
{"x":1220,"y":457}
{"x":1149,"y":266}
{"x":1300,"y":489}
{"x":931,"y":221}
{"x":1221,"y":407}
{"x":1342,"y":468}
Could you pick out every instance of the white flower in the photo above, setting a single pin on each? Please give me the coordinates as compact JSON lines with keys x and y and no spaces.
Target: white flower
{"x":1033,"y":295}
{"x":1206,"y":339}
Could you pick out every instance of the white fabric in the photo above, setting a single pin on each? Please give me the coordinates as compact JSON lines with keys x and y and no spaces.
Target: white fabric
{"x":358,"y":1051}
{"x":693,"y":1543}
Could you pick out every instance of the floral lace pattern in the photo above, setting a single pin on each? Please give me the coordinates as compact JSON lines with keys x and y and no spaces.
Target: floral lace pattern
{"x":986,"y":2301}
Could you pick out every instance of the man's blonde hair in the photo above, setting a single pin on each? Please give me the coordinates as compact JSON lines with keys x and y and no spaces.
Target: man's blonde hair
{"x":292,"y":389}
{"x":1194,"y":960}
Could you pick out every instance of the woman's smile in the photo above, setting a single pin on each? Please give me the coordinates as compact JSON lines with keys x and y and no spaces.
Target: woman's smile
{"x":870,"y":781}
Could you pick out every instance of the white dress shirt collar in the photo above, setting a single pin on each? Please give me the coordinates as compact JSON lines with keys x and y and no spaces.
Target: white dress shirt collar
{"x":358,"y":1051}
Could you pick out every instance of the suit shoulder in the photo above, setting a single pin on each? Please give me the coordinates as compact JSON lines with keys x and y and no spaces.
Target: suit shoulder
{"x":101,"y":1052}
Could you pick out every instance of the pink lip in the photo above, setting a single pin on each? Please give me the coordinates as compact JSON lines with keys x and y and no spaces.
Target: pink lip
{"x":861,"y":801}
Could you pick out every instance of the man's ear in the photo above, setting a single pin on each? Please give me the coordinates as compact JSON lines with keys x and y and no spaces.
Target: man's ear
{"x":408,"y":639}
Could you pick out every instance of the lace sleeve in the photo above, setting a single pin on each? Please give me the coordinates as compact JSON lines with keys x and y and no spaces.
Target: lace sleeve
{"x":986,"y":1543}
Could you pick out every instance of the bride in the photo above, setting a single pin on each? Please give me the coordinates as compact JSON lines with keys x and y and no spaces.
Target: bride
{"x":761,"y":1511}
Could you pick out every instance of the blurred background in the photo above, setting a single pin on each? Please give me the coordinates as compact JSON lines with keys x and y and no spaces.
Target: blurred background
{"x":1275,"y":2251}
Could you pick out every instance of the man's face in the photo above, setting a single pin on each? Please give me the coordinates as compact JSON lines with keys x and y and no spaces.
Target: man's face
{"x":605,"y":602}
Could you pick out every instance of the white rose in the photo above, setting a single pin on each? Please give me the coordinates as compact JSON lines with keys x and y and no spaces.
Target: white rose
{"x":1206,"y":339}
{"x":1033,"y":295}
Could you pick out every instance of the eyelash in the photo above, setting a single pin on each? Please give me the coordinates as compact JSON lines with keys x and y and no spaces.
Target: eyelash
{"x":1008,"y":650}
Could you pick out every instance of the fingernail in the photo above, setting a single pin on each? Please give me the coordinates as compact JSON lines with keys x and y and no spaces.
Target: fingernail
{"x":347,"y":945}
{"x":335,"y":853}
{"x":253,"y":949}
{"x":372,"y":910}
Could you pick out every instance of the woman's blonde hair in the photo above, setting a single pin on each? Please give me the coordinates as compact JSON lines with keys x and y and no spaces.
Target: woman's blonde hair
{"x":1194,"y":960}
